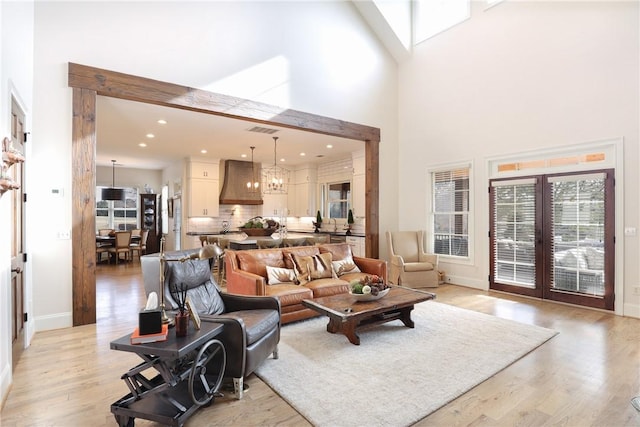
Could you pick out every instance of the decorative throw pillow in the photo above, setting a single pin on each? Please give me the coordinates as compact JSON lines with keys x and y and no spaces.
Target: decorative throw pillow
{"x":277,"y":275}
{"x":312,"y":267}
{"x":345,"y":266}
{"x":320,"y":266}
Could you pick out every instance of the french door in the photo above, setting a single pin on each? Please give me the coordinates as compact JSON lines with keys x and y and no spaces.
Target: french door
{"x":552,"y":237}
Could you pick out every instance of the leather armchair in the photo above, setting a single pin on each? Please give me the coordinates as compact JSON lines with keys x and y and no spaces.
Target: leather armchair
{"x":410,"y":265}
{"x":251,"y":324}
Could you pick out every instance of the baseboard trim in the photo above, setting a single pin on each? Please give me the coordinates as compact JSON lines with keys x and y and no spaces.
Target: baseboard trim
{"x":631,"y":310}
{"x":6,"y":381}
{"x":467,"y":282}
{"x":54,"y":321}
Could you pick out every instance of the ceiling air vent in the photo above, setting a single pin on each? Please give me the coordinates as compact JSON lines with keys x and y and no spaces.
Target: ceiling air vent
{"x":261,"y":129}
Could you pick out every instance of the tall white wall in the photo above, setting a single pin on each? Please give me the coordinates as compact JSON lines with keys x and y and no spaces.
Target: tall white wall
{"x":16,"y":77}
{"x":317,"y":57}
{"x":517,"y":77}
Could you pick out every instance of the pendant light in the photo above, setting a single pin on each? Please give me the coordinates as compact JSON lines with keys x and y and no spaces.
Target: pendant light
{"x":254,"y":184}
{"x":113,"y":193}
{"x":275,"y":178}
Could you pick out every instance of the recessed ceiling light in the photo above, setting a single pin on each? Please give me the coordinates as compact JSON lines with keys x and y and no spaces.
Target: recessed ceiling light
{"x":282,"y":159}
{"x":203,"y":151}
{"x":303,"y":154}
{"x":150,"y":135}
{"x":162,"y":121}
{"x":243,"y":155}
{"x":142,"y":144}
{"x":329,"y":146}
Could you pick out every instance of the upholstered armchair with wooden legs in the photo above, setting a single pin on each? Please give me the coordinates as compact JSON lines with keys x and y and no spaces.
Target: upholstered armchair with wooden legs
{"x":411,"y":266}
{"x":251,"y":324}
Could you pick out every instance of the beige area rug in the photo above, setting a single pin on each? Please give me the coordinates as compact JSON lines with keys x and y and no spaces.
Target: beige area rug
{"x":397,"y":375}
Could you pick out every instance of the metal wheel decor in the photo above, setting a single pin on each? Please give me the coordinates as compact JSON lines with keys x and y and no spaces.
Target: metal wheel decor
{"x":200,"y":389}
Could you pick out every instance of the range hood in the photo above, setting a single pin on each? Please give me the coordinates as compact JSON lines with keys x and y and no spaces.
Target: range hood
{"x":234,"y":187}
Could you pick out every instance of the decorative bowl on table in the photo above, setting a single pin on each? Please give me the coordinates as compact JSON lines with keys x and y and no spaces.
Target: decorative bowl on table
{"x":258,"y":231}
{"x":258,"y":226}
{"x":370,"y":296}
{"x":369,"y":288}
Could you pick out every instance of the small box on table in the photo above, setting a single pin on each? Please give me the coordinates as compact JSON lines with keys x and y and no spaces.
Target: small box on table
{"x":150,"y":322}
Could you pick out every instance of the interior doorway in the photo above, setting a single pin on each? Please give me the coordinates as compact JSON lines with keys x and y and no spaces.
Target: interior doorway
{"x":89,"y":82}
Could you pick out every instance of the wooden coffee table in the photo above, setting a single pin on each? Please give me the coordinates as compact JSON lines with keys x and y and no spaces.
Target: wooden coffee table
{"x":346,"y":314}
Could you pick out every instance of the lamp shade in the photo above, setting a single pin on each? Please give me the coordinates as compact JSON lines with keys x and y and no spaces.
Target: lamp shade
{"x":112,"y":193}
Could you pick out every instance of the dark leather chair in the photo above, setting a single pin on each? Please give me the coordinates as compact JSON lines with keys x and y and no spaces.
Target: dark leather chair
{"x":251,"y":324}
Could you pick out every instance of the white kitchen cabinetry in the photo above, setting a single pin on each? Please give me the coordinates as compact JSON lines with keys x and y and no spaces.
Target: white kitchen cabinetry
{"x":204,"y":189}
{"x":358,"y":190}
{"x":204,"y":170}
{"x":275,"y":205}
{"x":357,"y":245}
{"x":306,"y":183}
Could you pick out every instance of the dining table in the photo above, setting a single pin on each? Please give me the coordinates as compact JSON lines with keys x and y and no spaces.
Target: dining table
{"x":107,"y":241}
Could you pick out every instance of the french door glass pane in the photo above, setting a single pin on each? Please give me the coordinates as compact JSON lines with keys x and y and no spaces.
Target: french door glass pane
{"x":578,"y":234}
{"x":514,"y":229}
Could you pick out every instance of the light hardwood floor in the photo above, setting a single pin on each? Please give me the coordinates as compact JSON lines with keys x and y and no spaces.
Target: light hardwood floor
{"x":585,"y":376}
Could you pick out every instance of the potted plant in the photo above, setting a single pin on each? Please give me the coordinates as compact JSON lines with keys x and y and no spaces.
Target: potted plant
{"x":349,"y":221}
{"x":318,"y":223}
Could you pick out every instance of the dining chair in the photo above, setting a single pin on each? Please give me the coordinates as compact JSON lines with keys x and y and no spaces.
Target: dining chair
{"x":269,"y":243}
{"x":121,"y":245}
{"x":289,"y":242}
{"x":136,"y":232}
{"x":140,"y":246}
{"x":316,"y":240}
{"x":101,"y":248}
{"x":105,"y":231}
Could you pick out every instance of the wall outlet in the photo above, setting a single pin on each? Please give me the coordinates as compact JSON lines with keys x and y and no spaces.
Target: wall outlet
{"x":64,"y":235}
{"x":636,"y":290}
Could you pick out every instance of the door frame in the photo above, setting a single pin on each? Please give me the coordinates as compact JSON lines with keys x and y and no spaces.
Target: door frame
{"x":89,"y":82}
{"x":19,"y":261}
{"x":543,"y":237}
{"x":613,"y":148}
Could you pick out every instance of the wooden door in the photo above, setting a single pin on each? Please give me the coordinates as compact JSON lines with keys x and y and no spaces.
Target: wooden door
{"x":552,"y":237}
{"x":18,"y":255}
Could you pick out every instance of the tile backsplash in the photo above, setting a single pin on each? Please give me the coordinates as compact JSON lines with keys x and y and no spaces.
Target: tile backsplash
{"x":237,"y":215}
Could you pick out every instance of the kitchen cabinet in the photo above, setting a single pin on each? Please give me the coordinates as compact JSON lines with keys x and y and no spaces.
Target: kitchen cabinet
{"x":151,"y":220}
{"x":275,"y":205}
{"x":204,"y":189}
{"x":358,"y":190}
{"x":204,"y":170}
{"x":306,"y":183}
{"x":204,"y":197}
{"x":358,"y":193}
{"x":357,"y":245}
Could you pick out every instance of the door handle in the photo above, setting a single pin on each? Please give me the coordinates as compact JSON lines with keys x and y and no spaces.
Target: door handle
{"x":16,"y":270}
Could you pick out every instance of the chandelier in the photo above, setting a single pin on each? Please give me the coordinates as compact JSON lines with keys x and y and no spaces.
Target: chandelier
{"x":253,"y":184}
{"x":275,"y":179}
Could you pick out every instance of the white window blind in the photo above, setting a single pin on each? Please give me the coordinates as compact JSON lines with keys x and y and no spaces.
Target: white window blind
{"x":514,"y":216}
{"x":451,"y":212}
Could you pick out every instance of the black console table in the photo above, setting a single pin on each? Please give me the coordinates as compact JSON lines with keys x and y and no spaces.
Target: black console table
{"x":182,"y":384}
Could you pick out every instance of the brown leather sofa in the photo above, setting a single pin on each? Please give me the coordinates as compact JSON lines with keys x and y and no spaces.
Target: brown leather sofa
{"x":247,"y":275}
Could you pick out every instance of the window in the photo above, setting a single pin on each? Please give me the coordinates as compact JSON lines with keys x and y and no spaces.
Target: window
{"x":117,"y":215}
{"x":337,"y":199}
{"x":450,"y":205}
{"x":432,"y":17}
